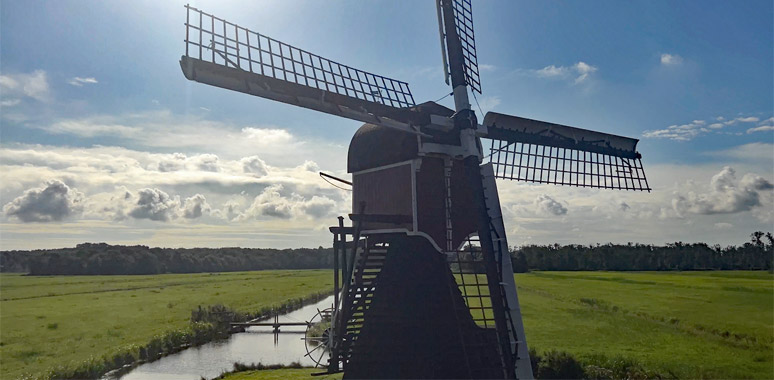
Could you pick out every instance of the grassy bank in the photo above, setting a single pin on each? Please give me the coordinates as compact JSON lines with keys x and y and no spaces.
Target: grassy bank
{"x":65,"y":321}
{"x":690,"y":324}
{"x":280,"y":374}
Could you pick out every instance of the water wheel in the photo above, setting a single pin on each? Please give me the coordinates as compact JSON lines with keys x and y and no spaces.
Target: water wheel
{"x":317,"y":339}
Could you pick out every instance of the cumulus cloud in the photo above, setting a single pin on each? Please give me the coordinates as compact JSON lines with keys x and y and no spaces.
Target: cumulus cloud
{"x":254,"y":165}
{"x":195,"y":206}
{"x":205,"y":162}
{"x":32,"y":85}
{"x":671,"y":59}
{"x":578,"y":72}
{"x":276,"y":202}
{"x":54,"y":201}
{"x":549,"y":206}
{"x":310,"y":166}
{"x":726,"y":195}
{"x":230,"y":210}
{"x":80,"y":81}
{"x":318,"y":207}
{"x":270,"y":203}
{"x":155,"y":204}
{"x":175,"y":162}
{"x":171,"y":163}
{"x":148,"y":203}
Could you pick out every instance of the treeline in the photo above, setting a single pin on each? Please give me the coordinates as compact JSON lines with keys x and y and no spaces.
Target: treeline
{"x":101,"y":258}
{"x":90,"y":259}
{"x":757,"y":254}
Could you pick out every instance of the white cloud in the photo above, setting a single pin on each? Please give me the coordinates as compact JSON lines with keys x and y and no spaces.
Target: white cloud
{"x":91,"y":129}
{"x":552,"y":71}
{"x":584,"y":70}
{"x":683,"y":132}
{"x":255,"y":166}
{"x":79,"y":81}
{"x":489,"y":103}
{"x":156,"y":130}
{"x":487,"y":67}
{"x":741,"y":119}
{"x":671,"y":59}
{"x":54,"y":201}
{"x":578,"y":72}
{"x":276,"y":202}
{"x":549,"y":206}
{"x":270,"y":203}
{"x":762,"y":128}
{"x":726,"y":195}
{"x":759,"y":152}
{"x":318,"y":207}
{"x":33,"y":85}
{"x":155,"y":204}
{"x":696,"y":128}
{"x":9,"y":102}
{"x":194,"y":207}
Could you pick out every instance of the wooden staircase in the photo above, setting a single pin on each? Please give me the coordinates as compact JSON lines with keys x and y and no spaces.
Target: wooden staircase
{"x":360,"y":292}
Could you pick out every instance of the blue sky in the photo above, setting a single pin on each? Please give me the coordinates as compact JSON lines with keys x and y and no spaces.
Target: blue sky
{"x":93,"y":107}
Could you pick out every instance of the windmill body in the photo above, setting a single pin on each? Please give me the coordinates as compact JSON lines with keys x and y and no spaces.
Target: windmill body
{"x":427,"y":289}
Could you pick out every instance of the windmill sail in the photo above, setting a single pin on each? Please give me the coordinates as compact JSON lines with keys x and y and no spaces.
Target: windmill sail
{"x":223,"y":54}
{"x":462,"y":11}
{"x":537,"y":151}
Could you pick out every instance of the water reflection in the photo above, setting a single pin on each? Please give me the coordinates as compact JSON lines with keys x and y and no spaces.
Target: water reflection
{"x":257,"y":344}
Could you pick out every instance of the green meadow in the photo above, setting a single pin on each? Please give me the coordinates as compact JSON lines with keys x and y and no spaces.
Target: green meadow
{"x":47,"y":322}
{"x":685,"y":324}
{"x":678,"y":324}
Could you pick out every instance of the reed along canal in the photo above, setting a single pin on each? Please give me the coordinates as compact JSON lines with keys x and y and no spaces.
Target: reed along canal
{"x":258,"y":344}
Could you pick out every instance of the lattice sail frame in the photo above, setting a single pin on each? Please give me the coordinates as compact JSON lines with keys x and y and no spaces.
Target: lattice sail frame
{"x":563,"y":166}
{"x":213,"y":39}
{"x":463,"y":21}
{"x":467,"y":266}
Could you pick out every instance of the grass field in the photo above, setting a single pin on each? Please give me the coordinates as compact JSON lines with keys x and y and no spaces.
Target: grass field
{"x":64,"y":320}
{"x":690,"y":324}
{"x":683,"y":324}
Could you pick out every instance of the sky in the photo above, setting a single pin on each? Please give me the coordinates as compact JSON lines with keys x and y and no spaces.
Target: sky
{"x":102,"y":139}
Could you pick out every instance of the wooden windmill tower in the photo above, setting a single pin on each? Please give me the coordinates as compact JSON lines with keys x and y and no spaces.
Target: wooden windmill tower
{"x":427,"y":284}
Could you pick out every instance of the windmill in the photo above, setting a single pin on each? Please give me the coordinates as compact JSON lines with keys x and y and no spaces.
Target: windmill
{"x":427,"y":289}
